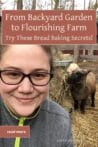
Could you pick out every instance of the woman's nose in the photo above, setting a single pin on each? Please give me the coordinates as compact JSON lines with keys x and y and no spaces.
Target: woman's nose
{"x":25,"y":86}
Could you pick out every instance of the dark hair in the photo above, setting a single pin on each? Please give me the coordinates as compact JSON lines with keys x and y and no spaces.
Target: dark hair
{"x":46,"y":48}
{"x":3,"y":48}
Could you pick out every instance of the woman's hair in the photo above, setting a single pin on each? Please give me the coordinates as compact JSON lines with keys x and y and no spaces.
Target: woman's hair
{"x":3,"y":49}
{"x":46,"y":48}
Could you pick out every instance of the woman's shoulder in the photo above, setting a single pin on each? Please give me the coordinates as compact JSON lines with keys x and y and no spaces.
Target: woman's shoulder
{"x":54,"y":108}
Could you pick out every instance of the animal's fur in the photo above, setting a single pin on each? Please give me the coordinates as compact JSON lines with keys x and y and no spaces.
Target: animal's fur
{"x":82,"y":85}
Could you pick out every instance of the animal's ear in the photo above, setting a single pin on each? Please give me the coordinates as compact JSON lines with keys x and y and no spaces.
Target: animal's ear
{"x":85,"y":71}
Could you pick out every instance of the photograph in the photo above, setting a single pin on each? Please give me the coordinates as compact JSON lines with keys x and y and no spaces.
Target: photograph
{"x":48,"y":91}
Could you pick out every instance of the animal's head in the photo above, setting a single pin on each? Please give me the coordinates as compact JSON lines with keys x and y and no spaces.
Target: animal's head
{"x":77,"y":78}
{"x":73,"y":67}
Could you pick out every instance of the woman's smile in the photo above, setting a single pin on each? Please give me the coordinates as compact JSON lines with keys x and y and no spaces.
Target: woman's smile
{"x":26,"y":99}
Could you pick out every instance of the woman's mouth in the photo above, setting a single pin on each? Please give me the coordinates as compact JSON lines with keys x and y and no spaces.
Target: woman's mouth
{"x":26,"y":100}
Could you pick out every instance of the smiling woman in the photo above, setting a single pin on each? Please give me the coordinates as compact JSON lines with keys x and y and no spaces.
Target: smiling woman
{"x":25,"y":73}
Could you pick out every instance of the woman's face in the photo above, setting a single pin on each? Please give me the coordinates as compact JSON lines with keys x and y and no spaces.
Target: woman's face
{"x":22,"y":99}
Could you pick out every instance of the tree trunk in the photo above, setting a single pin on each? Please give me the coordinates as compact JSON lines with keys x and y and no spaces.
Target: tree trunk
{"x":84,"y":4}
{"x":34,"y":4}
{"x":0,"y":7}
{"x":19,"y":4}
{"x":73,"y":4}
{"x":56,"y":4}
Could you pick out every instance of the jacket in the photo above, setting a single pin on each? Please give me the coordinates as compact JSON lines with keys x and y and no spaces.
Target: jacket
{"x":49,"y":127}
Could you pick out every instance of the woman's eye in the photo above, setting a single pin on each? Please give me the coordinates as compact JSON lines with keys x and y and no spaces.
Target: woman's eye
{"x":40,"y":75}
{"x":12,"y":74}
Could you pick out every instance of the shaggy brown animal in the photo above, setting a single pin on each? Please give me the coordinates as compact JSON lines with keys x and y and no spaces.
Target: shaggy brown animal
{"x":82,"y":85}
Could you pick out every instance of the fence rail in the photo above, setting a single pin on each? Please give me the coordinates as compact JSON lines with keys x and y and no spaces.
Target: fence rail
{"x":91,"y":57}
{"x":62,"y":63}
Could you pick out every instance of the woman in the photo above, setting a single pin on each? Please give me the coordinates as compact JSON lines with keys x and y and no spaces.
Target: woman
{"x":25,"y":73}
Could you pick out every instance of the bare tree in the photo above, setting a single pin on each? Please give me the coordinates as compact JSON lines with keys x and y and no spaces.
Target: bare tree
{"x":0,"y":7}
{"x":84,"y":4}
{"x":33,"y":4}
{"x":93,"y":5}
{"x":43,"y":4}
{"x":73,"y":4}
{"x":52,"y":2}
{"x":56,"y":4}
{"x":63,"y":4}
{"x":69,"y":4}
{"x":19,"y":4}
{"x":89,"y":5}
{"x":96,"y":4}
